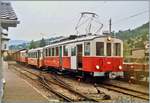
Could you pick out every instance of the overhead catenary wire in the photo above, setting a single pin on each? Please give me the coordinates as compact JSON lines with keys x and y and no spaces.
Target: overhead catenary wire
{"x":129,"y":17}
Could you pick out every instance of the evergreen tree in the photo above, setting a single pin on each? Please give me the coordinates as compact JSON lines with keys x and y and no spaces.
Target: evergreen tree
{"x":42,"y":42}
{"x":32,"y":45}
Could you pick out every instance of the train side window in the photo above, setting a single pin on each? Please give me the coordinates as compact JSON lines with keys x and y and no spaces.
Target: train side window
{"x":87,"y":48}
{"x":46,"y":52}
{"x":108,"y":49}
{"x":57,"y":51}
{"x":73,"y":51}
{"x":32,"y":54}
{"x":52,"y":51}
{"x":49,"y":51}
{"x":117,"y":49}
{"x":28,"y":55}
{"x":100,"y":48}
{"x":39,"y":54}
{"x":65,"y":51}
{"x":36,"y":54}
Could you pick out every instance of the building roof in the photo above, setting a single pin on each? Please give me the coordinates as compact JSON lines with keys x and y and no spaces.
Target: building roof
{"x":6,"y":11}
{"x":7,"y":15}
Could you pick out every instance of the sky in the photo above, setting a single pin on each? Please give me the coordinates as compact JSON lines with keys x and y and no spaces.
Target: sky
{"x":58,"y":18}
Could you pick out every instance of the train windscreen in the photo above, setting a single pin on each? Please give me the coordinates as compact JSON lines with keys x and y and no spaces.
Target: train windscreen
{"x":87,"y":48}
{"x":100,"y":48}
{"x":117,"y":49}
{"x":108,"y":49}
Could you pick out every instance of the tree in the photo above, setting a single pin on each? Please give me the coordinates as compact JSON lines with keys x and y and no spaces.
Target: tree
{"x":42,"y":42}
{"x":32,"y":45}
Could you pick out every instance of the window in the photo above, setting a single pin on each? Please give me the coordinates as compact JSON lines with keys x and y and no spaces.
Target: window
{"x":5,"y":46}
{"x":52,"y":51}
{"x":100,"y":48}
{"x":87,"y":48}
{"x":57,"y":51}
{"x":65,"y":51}
{"x":108,"y":49}
{"x":73,"y":51}
{"x":117,"y":49}
{"x":39,"y":54}
{"x":36,"y":55}
{"x":46,"y":51}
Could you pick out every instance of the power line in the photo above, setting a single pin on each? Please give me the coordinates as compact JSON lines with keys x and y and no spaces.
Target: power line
{"x":126,"y":18}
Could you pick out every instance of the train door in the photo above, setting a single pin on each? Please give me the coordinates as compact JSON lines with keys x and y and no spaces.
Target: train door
{"x":38,"y":58}
{"x":79,"y":56}
{"x":73,"y":58}
{"x":60,"y":56}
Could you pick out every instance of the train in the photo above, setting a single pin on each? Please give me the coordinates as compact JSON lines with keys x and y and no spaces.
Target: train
{"x":91,"y":53}
{"x":94,"y":55}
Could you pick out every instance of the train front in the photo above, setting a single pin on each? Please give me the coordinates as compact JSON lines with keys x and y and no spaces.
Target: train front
{"x":106,"y":57}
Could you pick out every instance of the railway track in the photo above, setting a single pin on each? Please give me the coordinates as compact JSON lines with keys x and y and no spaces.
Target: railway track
{"x":56,"y":81}
{"x":51,"y":84}
{"x":126,"y":91}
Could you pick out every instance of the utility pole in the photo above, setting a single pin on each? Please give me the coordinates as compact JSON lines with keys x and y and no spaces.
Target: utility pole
{"x":110,"y":25}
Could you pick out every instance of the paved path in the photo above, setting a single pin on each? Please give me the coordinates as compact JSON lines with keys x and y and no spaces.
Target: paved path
{"x":17,"y":90}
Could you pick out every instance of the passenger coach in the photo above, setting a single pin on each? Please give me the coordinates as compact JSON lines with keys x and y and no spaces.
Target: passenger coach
{"x":35,"y":57}
{"x":97,"y":55}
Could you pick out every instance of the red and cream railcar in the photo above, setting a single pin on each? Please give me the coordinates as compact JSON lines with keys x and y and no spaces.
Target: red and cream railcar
{"x":23,"y":56}
{"x":35,"y":57}
{"x":93,"y":54}
{"x":16,"y":56}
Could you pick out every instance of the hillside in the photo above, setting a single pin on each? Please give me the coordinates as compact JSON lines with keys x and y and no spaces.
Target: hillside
{"x":135,"y":38}
{"x":139,"y":31}
{"x":22,"y":44}
{"x":17,"y":42}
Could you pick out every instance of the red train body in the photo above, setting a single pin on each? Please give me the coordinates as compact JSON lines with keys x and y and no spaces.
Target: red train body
{"x":96,"y":55}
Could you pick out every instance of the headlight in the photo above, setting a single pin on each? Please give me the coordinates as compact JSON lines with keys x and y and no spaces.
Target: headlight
{"x":97,"y":67}
{"x":120,"y":67}
{"x":108,"y":38}
{"x":3,"y":80}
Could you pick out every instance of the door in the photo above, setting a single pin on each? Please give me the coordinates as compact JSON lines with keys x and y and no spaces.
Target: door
{"x":38,"y":58}
{"x":79,"y":56}
{"x":73,"y":58}
{"x":60,"y":56}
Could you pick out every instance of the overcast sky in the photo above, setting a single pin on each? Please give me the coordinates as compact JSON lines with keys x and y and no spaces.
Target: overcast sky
{"x":53,"y":18}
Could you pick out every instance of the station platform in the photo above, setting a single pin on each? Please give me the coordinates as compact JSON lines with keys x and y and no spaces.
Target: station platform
{"x":17,"y":90}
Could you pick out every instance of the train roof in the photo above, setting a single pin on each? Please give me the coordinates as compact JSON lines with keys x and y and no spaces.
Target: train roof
{"x":74,"y":38}
{"x":40,"y":48}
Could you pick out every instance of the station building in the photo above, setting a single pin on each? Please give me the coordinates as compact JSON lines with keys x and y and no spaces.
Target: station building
{"x":8,"y":19}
